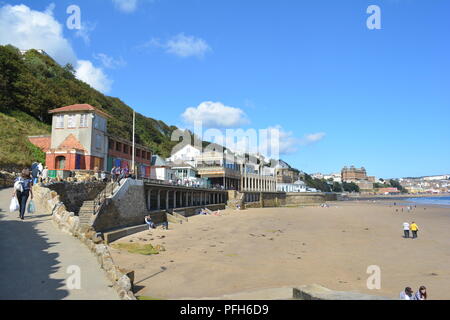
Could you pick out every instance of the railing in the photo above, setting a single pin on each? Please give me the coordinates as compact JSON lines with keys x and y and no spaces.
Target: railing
{"x":100,"y":200}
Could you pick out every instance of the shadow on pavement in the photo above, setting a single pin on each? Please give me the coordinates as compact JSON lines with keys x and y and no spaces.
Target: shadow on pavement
{"x":25,"y":264}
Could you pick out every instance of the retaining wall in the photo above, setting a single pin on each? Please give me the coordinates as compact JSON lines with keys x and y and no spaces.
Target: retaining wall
{"x":73,"y":194}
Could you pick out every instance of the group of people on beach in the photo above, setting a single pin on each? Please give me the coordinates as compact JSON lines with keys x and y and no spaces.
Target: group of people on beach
{"x":408,"y":294}
{"x":407,"y":227}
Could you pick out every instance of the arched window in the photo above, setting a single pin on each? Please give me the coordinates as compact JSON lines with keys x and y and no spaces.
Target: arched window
{"x":60,"y":162}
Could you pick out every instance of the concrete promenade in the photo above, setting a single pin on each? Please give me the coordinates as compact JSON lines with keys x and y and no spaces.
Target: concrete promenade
{"x":35,"y":255}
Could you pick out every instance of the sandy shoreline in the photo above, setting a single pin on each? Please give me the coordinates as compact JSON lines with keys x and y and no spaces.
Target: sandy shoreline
{"x":254,"y":249}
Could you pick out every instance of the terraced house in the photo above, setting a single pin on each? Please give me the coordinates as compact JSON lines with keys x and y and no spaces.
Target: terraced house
{"x":80,"y":141}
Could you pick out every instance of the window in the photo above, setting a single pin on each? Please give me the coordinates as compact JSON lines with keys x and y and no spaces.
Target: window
{"x":125,"y":148}
{"x":111,"y":144}
{"x":138,"y":153}
{"x":149,"y":155}
{"x":118,"y":146}
{"x":143,"y":154}
{"x":71,"y":121}
{"x":98,"y":141}
{"x":59,"y":121}
{"x":83,"y":120}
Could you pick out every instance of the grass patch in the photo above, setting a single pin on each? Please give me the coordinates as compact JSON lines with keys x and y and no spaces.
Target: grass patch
{"x":15,"y":148}
{"x":144,"y":249}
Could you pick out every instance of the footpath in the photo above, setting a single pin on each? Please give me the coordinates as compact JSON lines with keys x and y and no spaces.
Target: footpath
{"x":37,"y":259}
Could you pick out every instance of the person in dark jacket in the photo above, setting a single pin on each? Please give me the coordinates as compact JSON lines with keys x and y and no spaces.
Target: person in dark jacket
{"x":22,"y":196}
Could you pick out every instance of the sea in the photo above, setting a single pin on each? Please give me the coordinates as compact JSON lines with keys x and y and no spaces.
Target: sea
{"x":439,"y":201}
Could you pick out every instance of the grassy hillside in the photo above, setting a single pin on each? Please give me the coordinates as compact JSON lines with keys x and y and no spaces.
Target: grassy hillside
{"x":15,"y":149}
{"x":33,"y":83}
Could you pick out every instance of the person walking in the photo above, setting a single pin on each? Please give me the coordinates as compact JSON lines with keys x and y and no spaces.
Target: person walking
{"x":35,"y":172}
{"x":44,"y":176}
{"x":406,"y":229}
{"x":421,"y":294}
{"x":113,"y":174}
{"x":407,"y":294}
{"x":414,"y":228}
{"x":26,"y":182}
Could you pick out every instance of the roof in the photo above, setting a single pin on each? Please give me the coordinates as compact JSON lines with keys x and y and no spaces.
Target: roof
{"x":42,"y":142}
{"x":158,"y":161}
{"x":79,"y":107}
{"x":71,"y":143}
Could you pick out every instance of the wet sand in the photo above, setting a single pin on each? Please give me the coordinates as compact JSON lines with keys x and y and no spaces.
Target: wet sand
{"x":257,"y":249}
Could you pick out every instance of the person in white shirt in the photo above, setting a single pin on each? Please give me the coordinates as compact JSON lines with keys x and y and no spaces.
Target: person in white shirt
{"x":408,"y":294}
{"x":406,"y":229}
{"x":44,"y":175}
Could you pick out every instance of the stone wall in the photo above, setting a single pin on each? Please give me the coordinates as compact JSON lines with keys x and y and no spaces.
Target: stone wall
{"x":127,"y":207}
{"x":278,"y":199}
{"x":73,"y":194}
{"x":308,"y":198}
{"x":49,"y":201}
{"x":7,"y":179}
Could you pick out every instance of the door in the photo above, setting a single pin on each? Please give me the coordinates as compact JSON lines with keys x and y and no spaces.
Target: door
{"x":60,"y":163}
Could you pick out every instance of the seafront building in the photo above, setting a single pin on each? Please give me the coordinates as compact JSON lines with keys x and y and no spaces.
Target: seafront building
{"x":358,"y":176}
{"x":80,"y":140}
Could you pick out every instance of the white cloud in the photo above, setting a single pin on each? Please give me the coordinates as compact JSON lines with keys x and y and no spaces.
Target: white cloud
{"x":93,"y":76}
{"x":181,"y":46}
{"x":313,"y":137}
{"x":215,"y":114}
{"x":127,"y":6}
{"x":30,"y":29}
{"x":288,"y":143}
{"x":110,"y":62}
{"x":84,"y":32}
{"x":187,"y":46}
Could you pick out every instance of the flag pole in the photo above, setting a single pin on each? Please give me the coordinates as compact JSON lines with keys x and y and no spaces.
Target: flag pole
{"x":133,"y":152}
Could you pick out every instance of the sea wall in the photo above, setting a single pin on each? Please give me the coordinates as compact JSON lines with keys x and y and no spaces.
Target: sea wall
{"x":301,"y":198}
{"x":279,"y":199}
{"x":127,"y":207}
{"x":49,"y":201}
{"x":73,"y":194}
{"x":317,"y":292}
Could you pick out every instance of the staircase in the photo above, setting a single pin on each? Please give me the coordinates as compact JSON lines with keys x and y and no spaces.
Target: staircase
{"x":92,"y":207}
{"x":237,"y":201}
{"x":86,"y":212}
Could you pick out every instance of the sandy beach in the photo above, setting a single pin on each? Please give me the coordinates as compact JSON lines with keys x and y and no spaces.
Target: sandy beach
{"x":256,"y":249}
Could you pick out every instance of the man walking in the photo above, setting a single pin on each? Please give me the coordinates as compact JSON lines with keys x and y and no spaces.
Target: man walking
{"x":414,"y":228}
{"x":406,"y":229}
{"x":113,"y":174}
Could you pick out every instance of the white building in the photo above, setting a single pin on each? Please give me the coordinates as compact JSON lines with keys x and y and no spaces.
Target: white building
{"x":297,"y":186}
{"x":160,"y":170}
{"x":187,"y":154}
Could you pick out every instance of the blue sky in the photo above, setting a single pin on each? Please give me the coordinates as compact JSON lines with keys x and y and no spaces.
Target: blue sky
{"x":342,"y":94}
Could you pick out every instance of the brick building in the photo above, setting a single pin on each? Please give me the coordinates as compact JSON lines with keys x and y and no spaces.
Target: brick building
{"x":79,"y":141}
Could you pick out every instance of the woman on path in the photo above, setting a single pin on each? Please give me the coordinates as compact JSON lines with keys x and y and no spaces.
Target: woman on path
{"x":26,"y":182}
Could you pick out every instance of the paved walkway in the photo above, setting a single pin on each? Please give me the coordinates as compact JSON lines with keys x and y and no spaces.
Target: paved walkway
{"x":35,"y":256}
